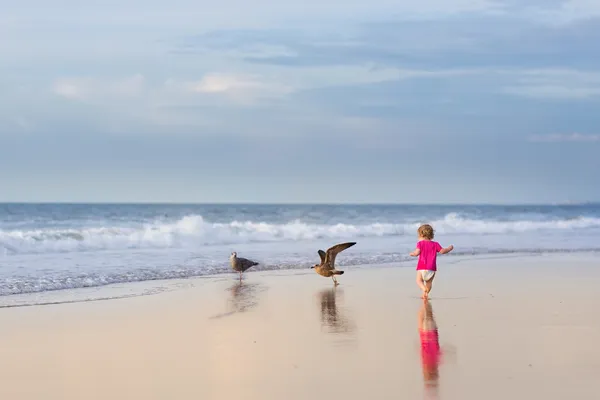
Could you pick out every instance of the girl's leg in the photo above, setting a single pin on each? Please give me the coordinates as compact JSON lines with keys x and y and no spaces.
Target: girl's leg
{"x":429,"y":284}
{"x":420,"y":283}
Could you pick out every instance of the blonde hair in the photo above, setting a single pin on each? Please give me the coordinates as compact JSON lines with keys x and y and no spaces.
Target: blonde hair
{"x":426,"y":231}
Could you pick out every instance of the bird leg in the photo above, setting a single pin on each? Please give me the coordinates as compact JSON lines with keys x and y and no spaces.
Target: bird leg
{"x":335,"y":282}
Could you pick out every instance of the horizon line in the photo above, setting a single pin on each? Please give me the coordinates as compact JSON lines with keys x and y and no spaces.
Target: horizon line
{"x":182,"y":203}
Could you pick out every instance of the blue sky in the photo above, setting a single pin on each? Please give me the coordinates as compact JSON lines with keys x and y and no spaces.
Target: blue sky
{"x":269,"y":101}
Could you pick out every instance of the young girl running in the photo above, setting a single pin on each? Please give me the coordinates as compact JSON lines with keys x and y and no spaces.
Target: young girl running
{"x":427,"y":251}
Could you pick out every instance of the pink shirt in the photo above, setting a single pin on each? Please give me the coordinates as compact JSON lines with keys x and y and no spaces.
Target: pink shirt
{"x":428,"y":255}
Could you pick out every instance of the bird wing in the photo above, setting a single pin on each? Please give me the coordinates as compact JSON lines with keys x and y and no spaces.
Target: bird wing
{"x":322,"y":255}
{"x":245,"y":263}
{"x":333,"y":251}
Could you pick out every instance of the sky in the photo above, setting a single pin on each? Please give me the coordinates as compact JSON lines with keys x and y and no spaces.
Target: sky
{"x":430,"y":101}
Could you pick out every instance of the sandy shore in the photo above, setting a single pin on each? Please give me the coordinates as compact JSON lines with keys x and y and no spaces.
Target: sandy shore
{"x":508,"y":328}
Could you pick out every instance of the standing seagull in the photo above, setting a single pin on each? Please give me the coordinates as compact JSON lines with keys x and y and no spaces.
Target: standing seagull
{"x":327,"y":266}
{"x":240,"y":264}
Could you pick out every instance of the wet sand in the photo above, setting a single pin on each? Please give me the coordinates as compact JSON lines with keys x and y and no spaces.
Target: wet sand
{"x":506,"y":328}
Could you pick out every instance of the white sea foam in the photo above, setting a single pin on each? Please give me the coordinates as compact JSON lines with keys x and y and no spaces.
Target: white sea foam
{"x":194,"y":230}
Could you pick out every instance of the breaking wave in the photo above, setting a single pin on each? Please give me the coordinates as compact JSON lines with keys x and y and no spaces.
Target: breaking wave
{"x":194,"y":230}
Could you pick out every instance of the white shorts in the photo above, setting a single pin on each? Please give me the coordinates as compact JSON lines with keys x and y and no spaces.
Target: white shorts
{"x":426,"y":274}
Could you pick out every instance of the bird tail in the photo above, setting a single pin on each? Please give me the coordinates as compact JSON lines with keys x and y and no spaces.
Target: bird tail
{"x":336,"y":272}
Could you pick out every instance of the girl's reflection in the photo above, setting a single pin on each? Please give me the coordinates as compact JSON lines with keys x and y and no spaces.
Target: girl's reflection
{"x":430,"y":349}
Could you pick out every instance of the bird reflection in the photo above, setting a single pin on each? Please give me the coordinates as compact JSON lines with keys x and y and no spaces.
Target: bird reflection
{"x":430,"y":350}
{"x":331,"y":317}
{"x":243,"y":298}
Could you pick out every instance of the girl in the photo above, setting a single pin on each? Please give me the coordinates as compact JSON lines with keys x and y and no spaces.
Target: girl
{"x":427,"y":251}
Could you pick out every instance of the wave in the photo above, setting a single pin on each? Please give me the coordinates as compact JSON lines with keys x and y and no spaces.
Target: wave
{"x":194,"y":230}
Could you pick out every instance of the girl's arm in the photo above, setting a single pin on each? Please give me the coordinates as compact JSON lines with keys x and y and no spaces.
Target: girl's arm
{"x":447,"y":249}
{"x":415,"y":253}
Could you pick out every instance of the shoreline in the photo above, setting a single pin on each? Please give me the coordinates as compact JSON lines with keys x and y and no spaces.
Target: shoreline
{"x":129,"y":289}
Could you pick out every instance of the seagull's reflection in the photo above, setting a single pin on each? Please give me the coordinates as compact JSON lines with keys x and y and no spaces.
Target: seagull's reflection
{"x":430,"y":350}
{"x":243,"y":298}
{"x":331,"y":317}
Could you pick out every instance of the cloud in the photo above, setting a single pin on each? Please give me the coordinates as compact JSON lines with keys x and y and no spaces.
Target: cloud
{"x":94,"y":88}
{"x":470,"y":62}
{"x":69,"y":88}
{"x":191,"y":14}
{"x":567,"y":11}
{"x":553,"y":92}
{"x":16,"y":125}
{"x":319,"y":100}
{"x":219,"y":83}
{"x":463,"y":41}
{"x":565,"y":137}
{"x":237,"y":88}
{"x":360,"y":86}
{"x":243,"y":88}
{"x":24,"y":124}
{"x":556,"y":84}
{"x":277,"y":80}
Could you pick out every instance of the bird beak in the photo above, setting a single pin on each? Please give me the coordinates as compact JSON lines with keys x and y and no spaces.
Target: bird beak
{"x":312,"y":266}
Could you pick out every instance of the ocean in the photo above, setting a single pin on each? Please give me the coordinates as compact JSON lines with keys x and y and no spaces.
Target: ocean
{"x":50,"y":247}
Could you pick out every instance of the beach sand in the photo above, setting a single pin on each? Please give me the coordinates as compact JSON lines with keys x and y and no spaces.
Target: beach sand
{"x":510,"y":327}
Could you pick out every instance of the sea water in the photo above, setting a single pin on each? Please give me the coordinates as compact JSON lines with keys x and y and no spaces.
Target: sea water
{"x":50,"y":247}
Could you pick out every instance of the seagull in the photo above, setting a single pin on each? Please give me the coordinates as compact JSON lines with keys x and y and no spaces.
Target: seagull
{"x":327,"y":266}
{"x":240,"y":264}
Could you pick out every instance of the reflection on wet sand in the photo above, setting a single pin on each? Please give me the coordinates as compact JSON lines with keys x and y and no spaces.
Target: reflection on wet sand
{"x":430,"y":350}
{"x":331,"y":317}
{"x":243,"y":298}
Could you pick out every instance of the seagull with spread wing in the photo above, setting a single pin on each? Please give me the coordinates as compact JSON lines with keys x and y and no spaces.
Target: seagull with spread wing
{"x":327,"y":266}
